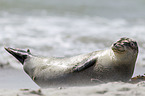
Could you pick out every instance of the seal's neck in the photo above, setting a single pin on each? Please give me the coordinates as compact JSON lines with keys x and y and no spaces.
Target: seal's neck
{"x":124,"y":64}
{"x":124,"y":61}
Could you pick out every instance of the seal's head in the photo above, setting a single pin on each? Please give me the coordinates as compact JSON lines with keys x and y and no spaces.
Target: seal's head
{"x":125,"y":45}
{"x":124,"y":56}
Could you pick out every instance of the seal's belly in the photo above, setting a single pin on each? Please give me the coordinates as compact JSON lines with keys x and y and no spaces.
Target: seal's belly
{"x":89,"y":76}
{"x":63,"y":81}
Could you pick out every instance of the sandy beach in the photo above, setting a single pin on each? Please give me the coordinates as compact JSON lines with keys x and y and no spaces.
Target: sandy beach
{"x":109,"y":89}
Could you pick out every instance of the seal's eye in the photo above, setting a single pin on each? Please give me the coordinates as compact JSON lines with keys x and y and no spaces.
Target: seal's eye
{"x":132,"y":44}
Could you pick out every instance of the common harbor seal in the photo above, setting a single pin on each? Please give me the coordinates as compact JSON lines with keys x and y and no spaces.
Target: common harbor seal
{"x":114,"y":64}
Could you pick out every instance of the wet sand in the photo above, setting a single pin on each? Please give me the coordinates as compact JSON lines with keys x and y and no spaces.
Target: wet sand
{"x":15,"y":79}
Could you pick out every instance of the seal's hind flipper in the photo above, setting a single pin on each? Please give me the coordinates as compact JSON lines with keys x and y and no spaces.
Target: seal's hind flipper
{"x":20,"y":55}
{"x":84,"y":66}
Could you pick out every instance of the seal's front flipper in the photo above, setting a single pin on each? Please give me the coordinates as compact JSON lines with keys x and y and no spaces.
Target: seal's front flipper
{"x":84,"y":66}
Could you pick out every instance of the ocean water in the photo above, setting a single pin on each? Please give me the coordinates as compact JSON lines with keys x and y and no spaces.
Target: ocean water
{"x":69,"y":27}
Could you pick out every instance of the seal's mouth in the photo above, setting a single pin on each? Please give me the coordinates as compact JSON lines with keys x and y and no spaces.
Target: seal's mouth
{"x":118,"y":48}
{"x":124,"y":44}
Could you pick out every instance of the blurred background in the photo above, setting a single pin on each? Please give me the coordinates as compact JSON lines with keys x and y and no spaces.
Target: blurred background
{"x":69,"y":27}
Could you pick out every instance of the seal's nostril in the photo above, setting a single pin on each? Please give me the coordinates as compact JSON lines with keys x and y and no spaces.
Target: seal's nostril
{"x":114,"y":44}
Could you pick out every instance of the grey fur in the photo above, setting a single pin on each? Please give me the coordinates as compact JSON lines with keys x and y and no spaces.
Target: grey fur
{"x":114,"y":64}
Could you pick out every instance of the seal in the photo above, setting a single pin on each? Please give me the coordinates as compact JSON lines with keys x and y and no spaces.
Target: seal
{"x":113,"y":64}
